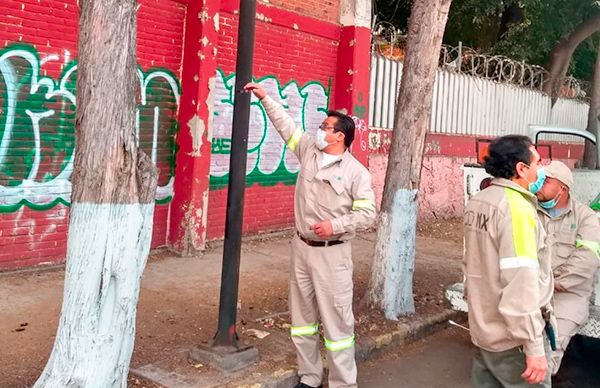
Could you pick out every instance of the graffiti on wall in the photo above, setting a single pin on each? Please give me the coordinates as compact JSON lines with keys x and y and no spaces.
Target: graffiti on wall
{"x":269,"y":160}
{"x":37,"y":121}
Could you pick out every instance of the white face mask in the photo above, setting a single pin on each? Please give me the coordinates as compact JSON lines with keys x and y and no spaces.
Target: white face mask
{"x":320,"y":140}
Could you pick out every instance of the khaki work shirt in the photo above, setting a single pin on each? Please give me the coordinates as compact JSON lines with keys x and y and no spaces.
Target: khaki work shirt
{"x":576,"y":237}
{"x":507,"y":269}
{"x":340,"y":192}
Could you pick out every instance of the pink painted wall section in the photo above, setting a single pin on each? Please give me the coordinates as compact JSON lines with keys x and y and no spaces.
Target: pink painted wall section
{"x":441,"y":191}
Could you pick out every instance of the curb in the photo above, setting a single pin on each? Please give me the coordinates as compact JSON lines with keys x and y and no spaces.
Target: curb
{"x":368,"y":346}
{"x":407,"y":333}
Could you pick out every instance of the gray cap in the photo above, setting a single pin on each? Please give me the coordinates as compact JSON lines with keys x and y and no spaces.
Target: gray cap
{"x":559,"y":170}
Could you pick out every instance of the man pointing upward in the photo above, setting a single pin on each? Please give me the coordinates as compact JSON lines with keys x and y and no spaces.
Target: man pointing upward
{"x":333,"y":200}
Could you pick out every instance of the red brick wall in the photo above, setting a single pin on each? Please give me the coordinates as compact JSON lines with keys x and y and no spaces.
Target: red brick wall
{"x":295,"y":56}
{"x":43,"y":36}
{"x":326,"y":10}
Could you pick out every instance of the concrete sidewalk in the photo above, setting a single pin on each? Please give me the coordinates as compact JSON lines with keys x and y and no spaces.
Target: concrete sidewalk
{"x":178,"y":309}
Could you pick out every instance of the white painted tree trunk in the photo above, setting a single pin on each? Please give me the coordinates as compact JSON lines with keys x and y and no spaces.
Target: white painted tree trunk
{"x":110,"y":227}
{"x":107,"y":250}
{"x":394,"y":263}
{"x":397,"y":227}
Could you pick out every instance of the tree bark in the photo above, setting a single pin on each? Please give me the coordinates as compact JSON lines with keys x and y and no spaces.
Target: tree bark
{"x":561,"y":54}
{"x":110,"y":224}
{"x":590,"y":154}
{"x":512,"y":14}
{"x":393,"y":266}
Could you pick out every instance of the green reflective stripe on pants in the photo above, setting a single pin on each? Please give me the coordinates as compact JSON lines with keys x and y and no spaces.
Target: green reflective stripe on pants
{"x":362,"y":203}
{"x":336,"y":346}
{"x":524,"y":225}
{"x":295,"y":139}
{"x":591,"y":245}
{"x":299,"y":331}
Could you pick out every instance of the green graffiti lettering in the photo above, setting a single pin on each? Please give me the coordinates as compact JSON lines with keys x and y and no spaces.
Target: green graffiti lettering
{"x":221,"y":146}
{"x":37,"y":119}
{"x":269,"y":161}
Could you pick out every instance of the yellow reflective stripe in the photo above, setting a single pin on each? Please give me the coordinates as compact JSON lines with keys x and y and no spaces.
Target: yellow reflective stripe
{"x":524,"y":225}
{"x":362,"y":203}
{"x":295,"y":139}
{"x":591,"y":245}
{"x":300,"y":331}
{"x":336,"y":346}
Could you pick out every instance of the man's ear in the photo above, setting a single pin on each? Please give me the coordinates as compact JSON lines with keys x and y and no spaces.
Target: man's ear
{"x":520,"y":170}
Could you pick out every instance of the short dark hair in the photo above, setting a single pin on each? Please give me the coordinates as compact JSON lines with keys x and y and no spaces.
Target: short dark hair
{"x":344,"y":124}
{"x":505,"y":153}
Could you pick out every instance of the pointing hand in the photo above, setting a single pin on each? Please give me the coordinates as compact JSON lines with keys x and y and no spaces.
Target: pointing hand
{"x":258,"y":91}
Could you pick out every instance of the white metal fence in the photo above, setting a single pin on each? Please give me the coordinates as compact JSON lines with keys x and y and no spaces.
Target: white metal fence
{"x":469,"y":105}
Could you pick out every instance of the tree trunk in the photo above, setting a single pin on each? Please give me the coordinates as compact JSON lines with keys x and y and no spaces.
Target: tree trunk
{"x":512,"y":14}
{"x":393,"y":266}
{"x":590,"y":154}
{"x":560,"y":57}
{"x":110,"y":225}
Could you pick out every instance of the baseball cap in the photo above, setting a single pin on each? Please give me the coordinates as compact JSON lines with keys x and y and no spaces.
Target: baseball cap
{"x":559,"y":170}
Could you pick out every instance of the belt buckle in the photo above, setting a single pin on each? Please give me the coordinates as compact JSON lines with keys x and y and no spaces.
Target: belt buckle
{"x":326,"y":244}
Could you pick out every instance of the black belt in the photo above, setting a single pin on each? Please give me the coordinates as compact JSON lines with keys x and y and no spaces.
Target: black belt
{"x":313,"y":243}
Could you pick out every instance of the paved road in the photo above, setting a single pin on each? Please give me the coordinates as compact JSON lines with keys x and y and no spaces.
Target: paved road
{"x":442,"y":360}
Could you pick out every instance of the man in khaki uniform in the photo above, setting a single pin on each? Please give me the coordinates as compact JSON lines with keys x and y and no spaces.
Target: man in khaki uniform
{"x":507,"y":270}
{"x":575,"y":231}
{"x":333,"y":199}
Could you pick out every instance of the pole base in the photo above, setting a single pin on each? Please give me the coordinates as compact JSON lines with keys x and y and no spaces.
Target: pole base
{"x":226,"y":359}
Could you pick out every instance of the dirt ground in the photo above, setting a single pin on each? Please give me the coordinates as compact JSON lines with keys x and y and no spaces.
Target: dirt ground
{"x":179,"y":302}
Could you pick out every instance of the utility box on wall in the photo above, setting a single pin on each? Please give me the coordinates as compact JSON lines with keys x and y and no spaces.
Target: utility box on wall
{"x":475,"y":179}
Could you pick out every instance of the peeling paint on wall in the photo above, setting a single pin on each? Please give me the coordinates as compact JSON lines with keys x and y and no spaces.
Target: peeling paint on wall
{"x":210,"y":105}
{"x":197,"y":128}
{"x":203,"y":16}
{"x":355,"y":13}
{"x":433,"y":147}
{"x":263,"y":18}
{"x":216,"y":21}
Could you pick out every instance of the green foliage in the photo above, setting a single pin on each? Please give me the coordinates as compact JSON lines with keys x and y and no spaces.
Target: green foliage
{"x":525,"y":30}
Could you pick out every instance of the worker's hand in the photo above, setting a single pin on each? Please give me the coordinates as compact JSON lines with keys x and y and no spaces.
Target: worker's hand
{"x":537,"y":367}
{"x":323,"y":229}
{"x":258,"y":91}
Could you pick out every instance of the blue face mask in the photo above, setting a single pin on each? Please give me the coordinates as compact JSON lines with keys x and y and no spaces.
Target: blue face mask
{"x":551,"y":203}
{"x":536,"y":186}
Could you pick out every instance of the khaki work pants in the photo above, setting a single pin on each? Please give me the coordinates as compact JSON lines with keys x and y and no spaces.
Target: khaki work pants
{"x":565,"y":330}
{"x":504,"y":369}
{"x":321,"y":291}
